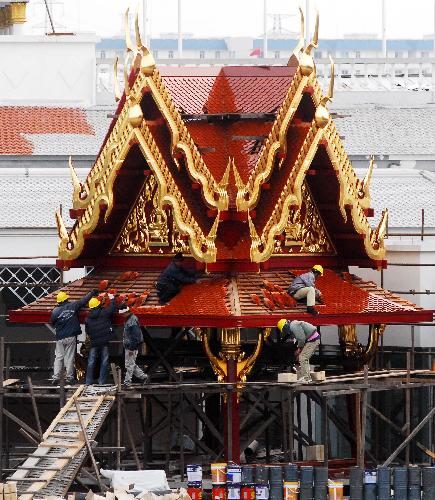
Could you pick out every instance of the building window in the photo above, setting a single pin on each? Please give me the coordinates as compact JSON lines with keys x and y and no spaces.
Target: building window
{"x":217,"y":54}
{"x":277,"y":54}
{"x":345,"y":54}
{"x":103,"y":54}
{"x":358,"y":54}
{"x":398,"y":54}
{"x":155,"y":54}
{"x":171,"y":54}
{"x":201,"y":54}
{"x":232,"y":54}
{"x":424,"y":54}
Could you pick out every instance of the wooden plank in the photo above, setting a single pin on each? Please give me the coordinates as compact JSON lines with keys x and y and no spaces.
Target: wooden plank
{"x":67,"y":406}
{"x":60,"y":444}
{"x":10,"y":381}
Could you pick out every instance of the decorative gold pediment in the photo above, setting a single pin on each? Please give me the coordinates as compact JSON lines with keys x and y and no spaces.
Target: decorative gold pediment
{"x":150,"y":228}
{"x":305,"y":231}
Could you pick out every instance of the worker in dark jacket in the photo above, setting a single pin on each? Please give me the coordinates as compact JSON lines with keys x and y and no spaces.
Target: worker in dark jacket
{"x":173,"y":278}
{"x":307,"y":338}
{"x":132,"y":339}
{"x":65,"y":320}
{"x":303,"y":286}
{"x":98,"y":326}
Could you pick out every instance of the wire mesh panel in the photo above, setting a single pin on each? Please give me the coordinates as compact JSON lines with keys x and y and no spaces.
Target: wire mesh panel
{"x":29,"y":283}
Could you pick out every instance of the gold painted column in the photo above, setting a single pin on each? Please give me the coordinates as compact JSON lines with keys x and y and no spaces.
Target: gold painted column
{"x":17,"y":16}
{"x":355,"y":355}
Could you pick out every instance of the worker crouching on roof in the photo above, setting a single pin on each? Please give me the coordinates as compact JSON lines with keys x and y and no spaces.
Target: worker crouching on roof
{"x":304,"y":286}
{"x":172,"y":278}
{"x":307,"y":337}
{"x":65,"y":320}
{"x":98,"y":326}
{"x":132,"y":339}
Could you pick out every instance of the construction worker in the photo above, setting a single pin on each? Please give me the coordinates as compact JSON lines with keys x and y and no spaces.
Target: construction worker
{"x":65,"y":320}
{"x":307,"y":338}
{"x":172,"y":278}
{"x":132,"y":339}
{"x":304,"y":286}
{"x":98,"y":326}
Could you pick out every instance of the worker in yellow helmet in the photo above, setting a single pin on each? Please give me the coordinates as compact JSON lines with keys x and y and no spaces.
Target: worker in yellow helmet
{"x":303,"y":286}
{"x":65,"y":321}
{"x":98,"y":326}
{"x":307,"y":338}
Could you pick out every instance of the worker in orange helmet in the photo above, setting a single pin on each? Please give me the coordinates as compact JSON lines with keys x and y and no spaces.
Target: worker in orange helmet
{"x":307,"y":338}
{"x":304,"y":286}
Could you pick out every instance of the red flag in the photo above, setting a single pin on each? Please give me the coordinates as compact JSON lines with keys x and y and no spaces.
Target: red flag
{"x":256,"y":52}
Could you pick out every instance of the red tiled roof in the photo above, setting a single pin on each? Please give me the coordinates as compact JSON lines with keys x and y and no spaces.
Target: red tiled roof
{"x":247,"y":299}
{"x":231,"y":89}
{"x":16,"y":121}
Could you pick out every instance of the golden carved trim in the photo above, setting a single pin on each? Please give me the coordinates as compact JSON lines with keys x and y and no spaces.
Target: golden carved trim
{"x":146,"y":225}
{"x":201,"y":246}
{"x":350,"y":346}
{"x":248,"y":195}
{"x":307,"y":232}
{"x":349,"y":187}
{"x":231,"y":350}
{"x":263,"y":247}
{"x":215,"y":194}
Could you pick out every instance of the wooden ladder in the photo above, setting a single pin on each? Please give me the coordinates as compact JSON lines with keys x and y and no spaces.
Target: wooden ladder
{"x":52,"y":467}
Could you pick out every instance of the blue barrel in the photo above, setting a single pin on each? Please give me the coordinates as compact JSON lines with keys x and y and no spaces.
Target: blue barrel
{"x":261,"y":474}
{"x":276,"y":491}
{"x":428,"y":476}
{"x":400,"y":483}
{"x":370,"y":486}
{"x":290,"y":472}
{"x":306,"y":493}
{"x":261,"y":492}
{"x":321,"y":483}
{"x":306,"y":475}
{"x":383,"y":475}
{"x":248,"y":474}
{"x":275,"y":474}
{"x":356,"y":480}
{"x":414,"y":483}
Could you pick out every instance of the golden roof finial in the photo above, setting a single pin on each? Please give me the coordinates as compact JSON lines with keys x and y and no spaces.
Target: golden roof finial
{"x":239,"y":183}
{"x":252,"y":231}
{"x":226,"y":177}
{"x":118,"y":94}
{"x":139,"y":44}
{"x":61,"y":229}
{"x":78,"y":187}
{"x":213,"y":231}
{"x":381,"y":230}
{"x":365,"y":184}
{"x":126,"y":74}
{"x":300,"y":45}
{"x":306,"y":61}
{"x":128,"y":42}
{"x":322,"y":115}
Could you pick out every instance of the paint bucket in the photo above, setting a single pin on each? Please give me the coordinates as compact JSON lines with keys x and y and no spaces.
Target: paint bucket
{"x":218,"y":473}
{"x":291,"y":490}
{"x":261,"y":492}
{"x":233,"y":492}
{"x":247,"y":492}
{"x":335,"y":490}
{"x":194,"y":473}
{"x":219,"y":493}
{"x":234,"y":474}
{"x":194,"y":490}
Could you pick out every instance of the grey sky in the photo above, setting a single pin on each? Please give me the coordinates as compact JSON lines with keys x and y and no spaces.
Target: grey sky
{"x":203,"y":18}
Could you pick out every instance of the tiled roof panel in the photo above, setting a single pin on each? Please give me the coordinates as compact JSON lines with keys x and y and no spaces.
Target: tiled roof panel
{"x":387,"y":131}
{"x":242,"y":89}
{"x":29,"y":197}
{"x":246,"y":295}
{"x":29,"y":130}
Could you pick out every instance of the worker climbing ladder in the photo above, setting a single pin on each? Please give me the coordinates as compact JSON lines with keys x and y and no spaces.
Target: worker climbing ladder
{"x":52,"y":467}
